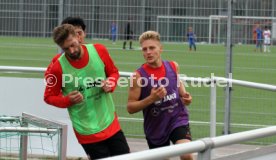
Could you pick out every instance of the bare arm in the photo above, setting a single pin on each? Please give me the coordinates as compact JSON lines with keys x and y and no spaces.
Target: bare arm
{"x":134,"y":104}
{"x":185,"y":96}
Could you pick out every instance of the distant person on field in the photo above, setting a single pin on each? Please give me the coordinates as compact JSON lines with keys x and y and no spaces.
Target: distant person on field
{"x":259,"y":41}
{"x":267,"y":36}
{"x":128,"y":36}
{"x":254,"y":36}
{"x":191,"y":38}
{"x":157,"y":91}
{"x":81,"y":81}
{"x":113,"y":32}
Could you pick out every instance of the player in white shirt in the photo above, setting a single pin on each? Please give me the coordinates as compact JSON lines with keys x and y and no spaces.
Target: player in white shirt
{"x":266,"y":35}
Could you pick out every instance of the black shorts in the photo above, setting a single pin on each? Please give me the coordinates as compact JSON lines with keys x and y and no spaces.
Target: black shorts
{"x":115,"y":145}
{"x":182,"y":132}
{"x":128,"y":37}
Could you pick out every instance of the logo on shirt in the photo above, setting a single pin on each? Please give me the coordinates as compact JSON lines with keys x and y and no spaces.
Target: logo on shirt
{"x":155,"y":111}
{"x":165,"y":99}
{"x":96,"y":83}
{"x":169,"y":97}
{"x":81,"y":89}
{"x":157,"y":103}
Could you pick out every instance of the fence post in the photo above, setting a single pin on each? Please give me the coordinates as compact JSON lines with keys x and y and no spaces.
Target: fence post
{"x":213,"y":99}
{"x":206,"y":154}
{"x":228,"y":70}
{"x":63,"y":142}
{"x":24,"y":143}
{"x":213,"y":105}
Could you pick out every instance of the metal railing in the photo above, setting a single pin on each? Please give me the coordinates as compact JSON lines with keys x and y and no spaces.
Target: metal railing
{"x":212,"y":82}
{"x":203,"y":146}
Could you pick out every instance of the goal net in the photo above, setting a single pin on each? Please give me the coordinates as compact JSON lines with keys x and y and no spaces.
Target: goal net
{"x":213,"y":29}
{"x":31,"y":137}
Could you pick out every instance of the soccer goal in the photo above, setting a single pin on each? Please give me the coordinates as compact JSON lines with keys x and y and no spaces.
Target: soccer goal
{"x":213,"y":29}
{"x":31,"y":137}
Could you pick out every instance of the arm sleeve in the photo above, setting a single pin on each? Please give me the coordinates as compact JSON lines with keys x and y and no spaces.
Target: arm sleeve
{"x":53,"y":94}
{"x":111,"y":71}
{"x":51,"y":64}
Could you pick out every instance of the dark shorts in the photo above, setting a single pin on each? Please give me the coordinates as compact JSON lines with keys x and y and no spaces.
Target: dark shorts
{"x":115,"y":145}
{"x":182,"y":132}
{"x":259,"y":43}
{"x":128,"y":36}
{"x":191,"y":43}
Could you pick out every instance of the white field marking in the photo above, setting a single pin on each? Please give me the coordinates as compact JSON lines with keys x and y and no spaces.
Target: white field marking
{"x":245,"y":68}
{"x":27,"y":45}
{"x":18,"y":72}
{"x":199,"y":66}
{"x":122,"y":63}
{"x":203,"y":52}
{"x":25,"y":59}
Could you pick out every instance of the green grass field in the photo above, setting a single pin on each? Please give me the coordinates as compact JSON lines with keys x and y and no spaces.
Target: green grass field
{"x":250,"y":107}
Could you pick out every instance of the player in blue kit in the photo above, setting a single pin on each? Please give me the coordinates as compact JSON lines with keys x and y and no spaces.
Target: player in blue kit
{"x":191,"y":38}
{"x":259,"y":42}
{"x":113,"y":32}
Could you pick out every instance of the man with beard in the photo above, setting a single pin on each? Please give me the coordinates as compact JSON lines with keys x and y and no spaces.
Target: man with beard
{"x":80,"y":27}
{"x":86,"y":75}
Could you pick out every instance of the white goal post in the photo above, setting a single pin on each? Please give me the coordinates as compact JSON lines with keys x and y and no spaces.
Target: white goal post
{"x":32,"y":137}
{"x":212,"y":29}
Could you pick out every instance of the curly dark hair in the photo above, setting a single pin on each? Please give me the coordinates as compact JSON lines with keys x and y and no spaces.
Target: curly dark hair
{"x":75,"y":21}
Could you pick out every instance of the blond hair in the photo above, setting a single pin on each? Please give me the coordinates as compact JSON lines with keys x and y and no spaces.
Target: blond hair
{"x":149,"y":35}
{"x":62,"y":32}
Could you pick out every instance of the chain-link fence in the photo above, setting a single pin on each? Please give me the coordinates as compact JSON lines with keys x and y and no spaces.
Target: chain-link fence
{"x":37,"y":18}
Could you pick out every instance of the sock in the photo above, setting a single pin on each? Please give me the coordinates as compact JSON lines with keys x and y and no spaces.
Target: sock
{"x":130,"y":45}
{"x":124,"y":45}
